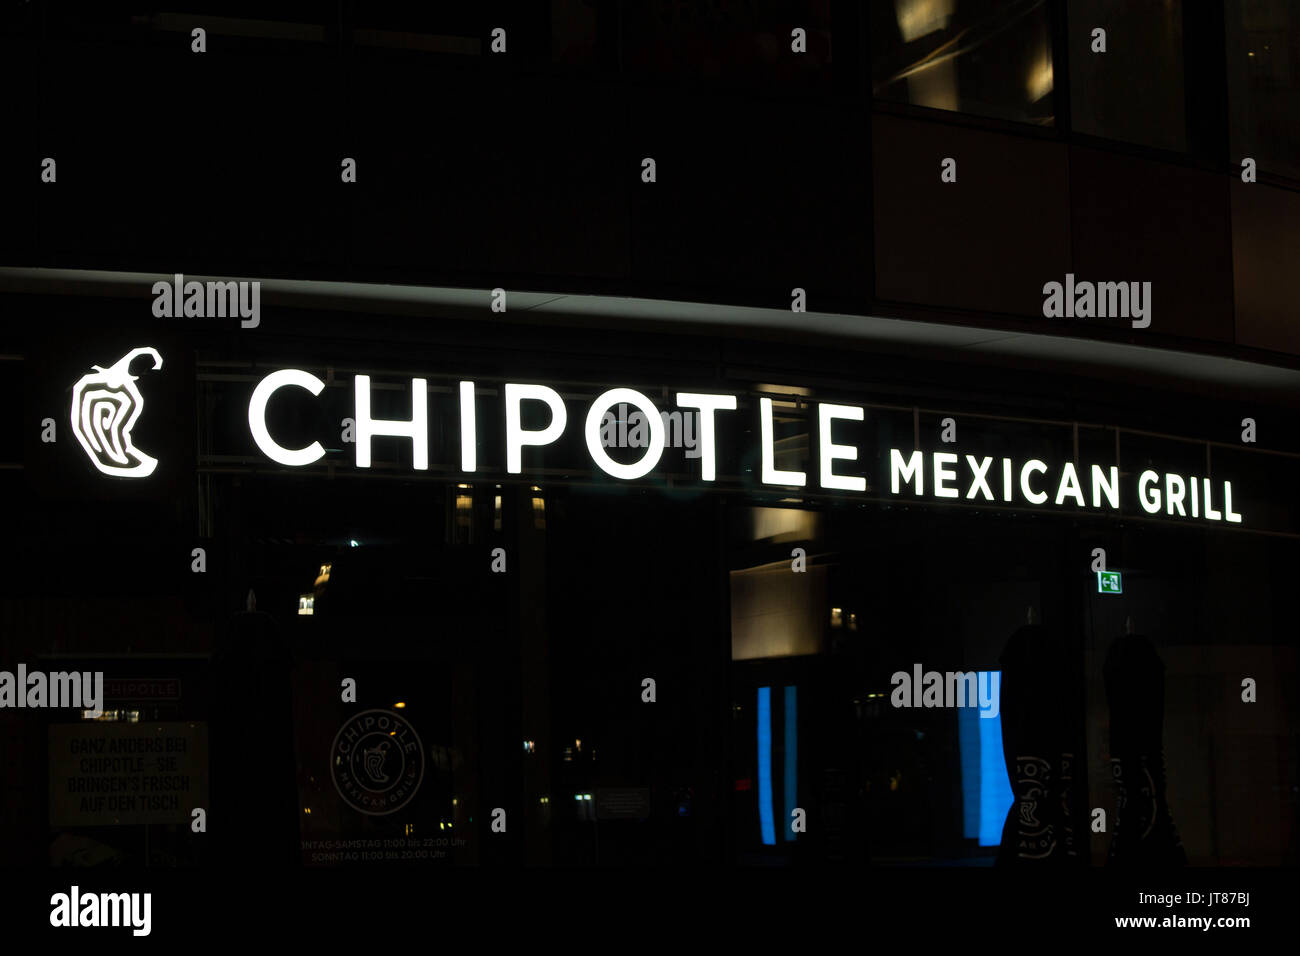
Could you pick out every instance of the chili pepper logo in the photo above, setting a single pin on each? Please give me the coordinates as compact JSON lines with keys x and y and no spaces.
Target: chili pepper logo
{"x":377,"y":762}
{"x":105,"y":407}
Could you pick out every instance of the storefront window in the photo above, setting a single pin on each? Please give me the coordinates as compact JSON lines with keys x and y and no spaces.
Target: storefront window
{"x":784,"y":634}
{"x":887,"y":611}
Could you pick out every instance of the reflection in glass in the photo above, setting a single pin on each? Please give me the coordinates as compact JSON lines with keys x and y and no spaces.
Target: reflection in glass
{"x":765,"y":815}
{"x":969,"y":56}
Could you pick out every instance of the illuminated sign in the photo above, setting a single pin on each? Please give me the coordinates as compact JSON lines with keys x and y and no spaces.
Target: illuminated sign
{"x":1108,"y":582}
{"x":105,"y":407}
{"x":1002,"y":481}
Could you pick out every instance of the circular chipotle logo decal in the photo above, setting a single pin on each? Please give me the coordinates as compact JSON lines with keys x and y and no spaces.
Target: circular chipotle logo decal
{"x":377,"y":762}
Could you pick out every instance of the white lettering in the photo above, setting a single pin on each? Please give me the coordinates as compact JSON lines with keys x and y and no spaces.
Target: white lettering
{"x":830,"y":451}
{"x":1037,"y":497}
{"x":516,"y":436}
{"x":770,"y":474}
{"x":707,"y":404}
{"x":293,"y":457}
{"x":417,"y":429}
{"x":592,"y":432}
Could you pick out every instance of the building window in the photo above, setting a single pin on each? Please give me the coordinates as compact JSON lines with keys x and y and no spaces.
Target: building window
{"x":1263,"y":54}
{"x":539,"y":509}
{"x":461,"y":528}
{"x":729,"y":45}
{"x":1133,"y":91}
{"x":968,"y":56}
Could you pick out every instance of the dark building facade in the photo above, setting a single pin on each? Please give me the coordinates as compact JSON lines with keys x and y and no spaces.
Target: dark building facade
{"x":635,"y":408}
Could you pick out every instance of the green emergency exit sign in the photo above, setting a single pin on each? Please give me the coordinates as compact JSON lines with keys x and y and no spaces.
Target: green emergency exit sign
{"x":1108,"y":582}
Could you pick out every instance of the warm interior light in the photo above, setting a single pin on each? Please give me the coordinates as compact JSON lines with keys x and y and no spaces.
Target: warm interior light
{"x":1041,"y":79}
{"x":779,"y":525}
{"x":918,"y":18}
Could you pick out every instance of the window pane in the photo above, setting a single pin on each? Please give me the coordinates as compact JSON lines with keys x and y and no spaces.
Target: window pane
{"x":1263,"y":83}
{"x":738,"y":46}
{"x":1134,"y":90}
{"x":970,"y":56}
